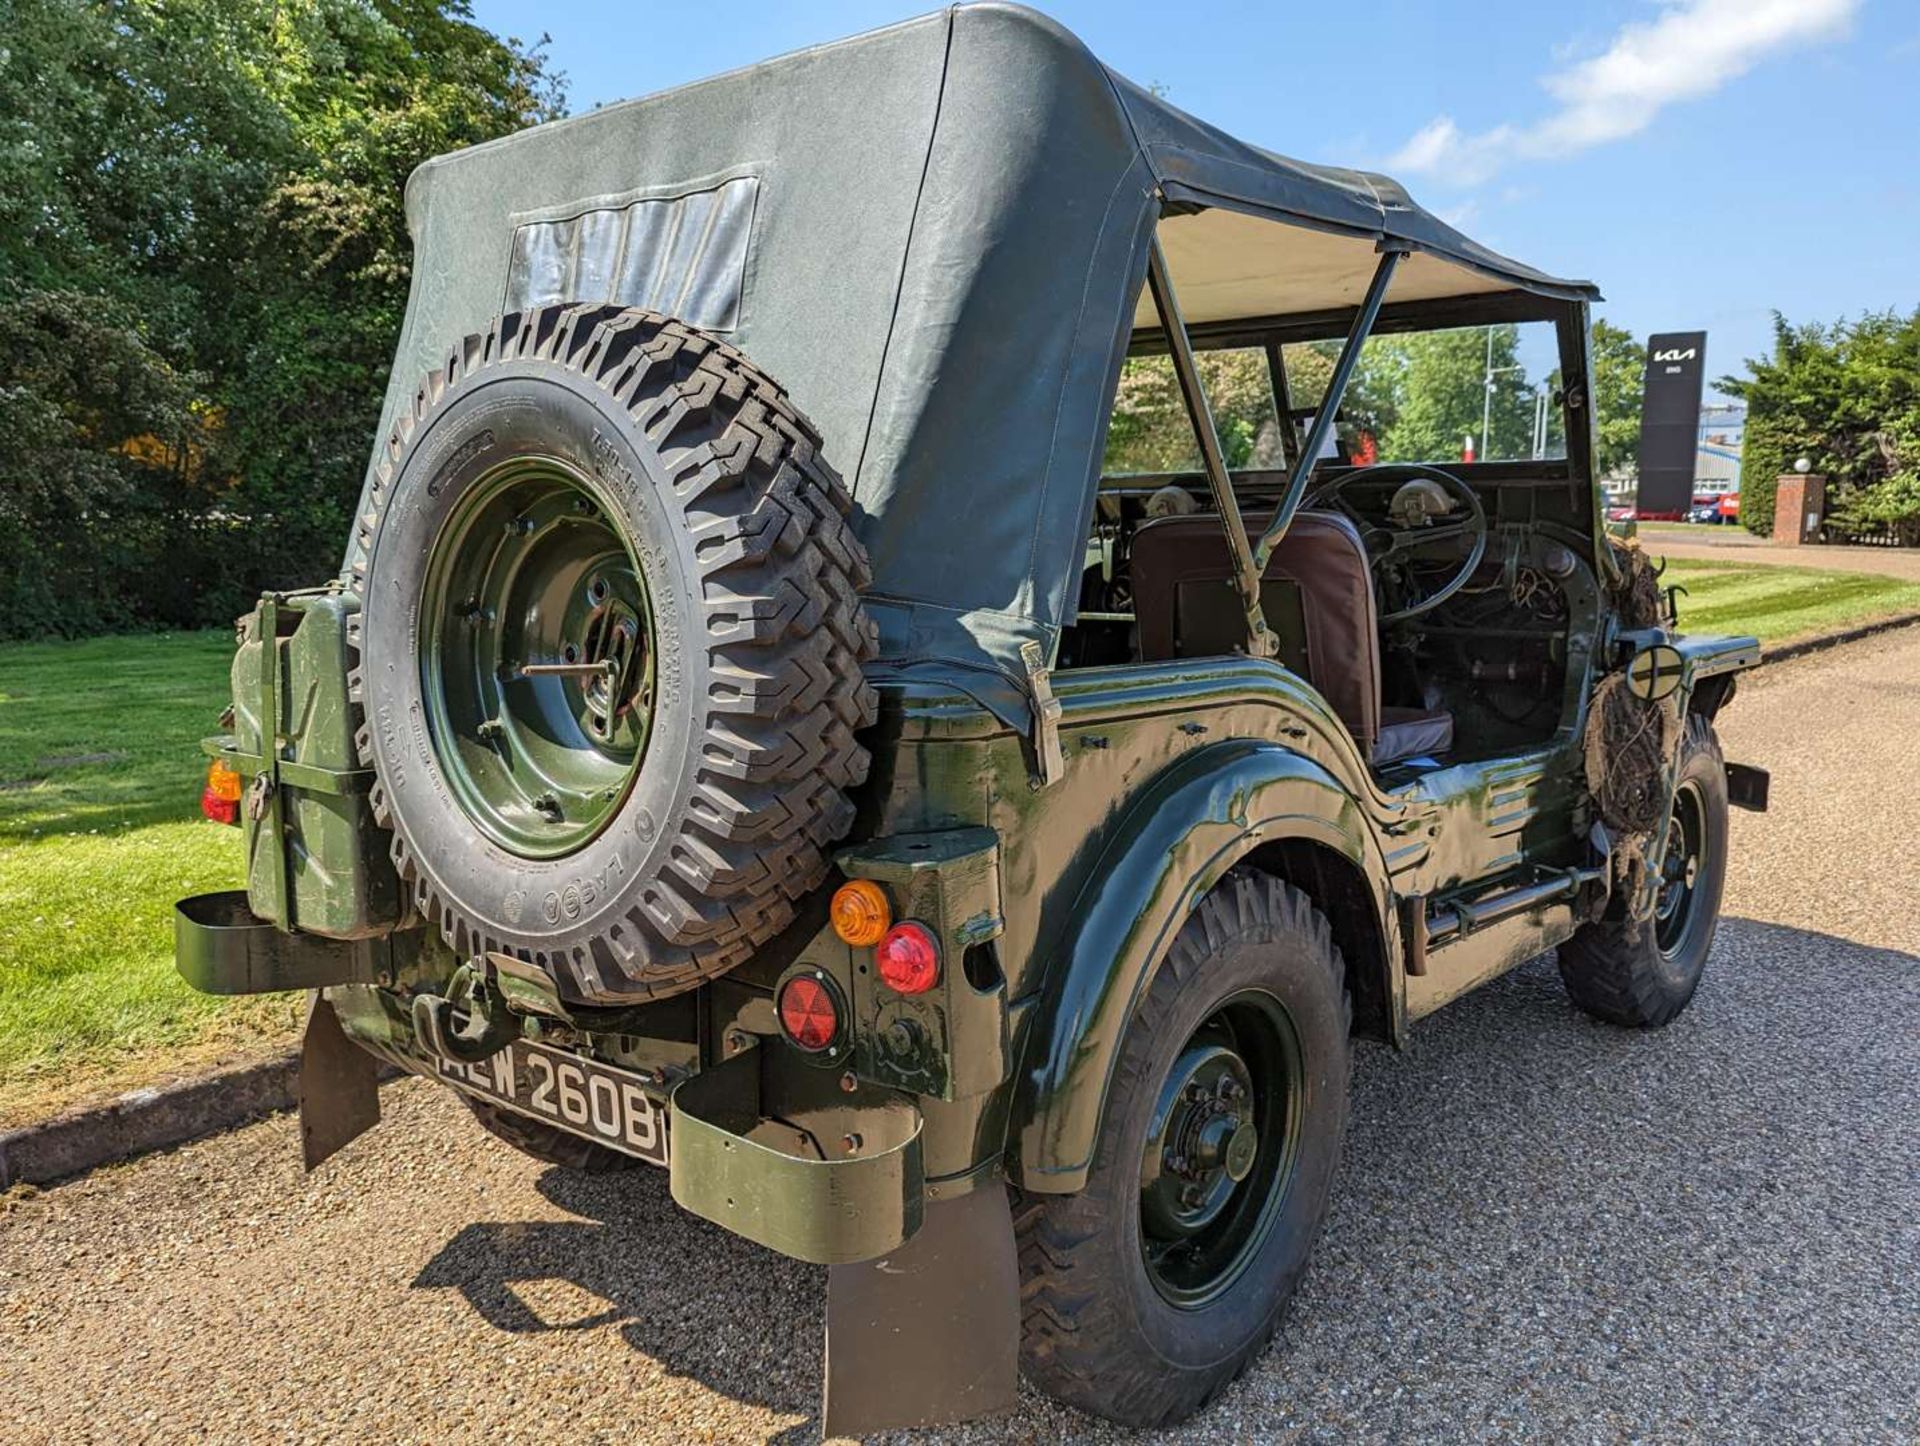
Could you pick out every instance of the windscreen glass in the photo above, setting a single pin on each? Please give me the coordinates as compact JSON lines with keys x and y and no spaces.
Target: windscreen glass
{"x":1465,"y":394}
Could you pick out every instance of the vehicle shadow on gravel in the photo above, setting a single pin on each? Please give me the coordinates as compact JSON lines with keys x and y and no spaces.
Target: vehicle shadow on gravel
{"x":702,"y":1303}
{"x":1539,"y":1219}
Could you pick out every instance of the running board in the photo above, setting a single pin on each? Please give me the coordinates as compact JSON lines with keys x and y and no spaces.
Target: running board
{"x":1462,"y":944}
{"x":1463,"y":916}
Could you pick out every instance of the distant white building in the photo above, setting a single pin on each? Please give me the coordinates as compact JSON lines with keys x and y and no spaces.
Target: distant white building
{"x":1716,"y":462}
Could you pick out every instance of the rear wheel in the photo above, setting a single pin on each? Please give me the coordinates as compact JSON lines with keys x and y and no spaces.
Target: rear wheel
{"x":1148,"y":1292}
{"x":1643,"y":972}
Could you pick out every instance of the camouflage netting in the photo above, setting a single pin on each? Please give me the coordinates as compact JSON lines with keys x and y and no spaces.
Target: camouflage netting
{"x":1637,"y":597}
{"x":1629,"y":742}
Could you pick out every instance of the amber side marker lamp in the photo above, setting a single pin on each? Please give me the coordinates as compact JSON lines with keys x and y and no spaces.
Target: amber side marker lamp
{"x":861,"y":913}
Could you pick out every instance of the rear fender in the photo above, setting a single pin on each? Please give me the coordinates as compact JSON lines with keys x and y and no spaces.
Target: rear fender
{"x":1181,"y":834}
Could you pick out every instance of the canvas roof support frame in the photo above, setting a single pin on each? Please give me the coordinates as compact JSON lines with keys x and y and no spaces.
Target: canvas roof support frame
{"x":1249,"y":559}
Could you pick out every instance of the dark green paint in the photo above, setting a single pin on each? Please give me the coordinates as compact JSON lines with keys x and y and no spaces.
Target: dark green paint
{"x":538,"y":665}
{"x":221,"y":947}
{"x":1221,"y":1148}
{"x":796,"y":1163}
{"x":315,"y":860}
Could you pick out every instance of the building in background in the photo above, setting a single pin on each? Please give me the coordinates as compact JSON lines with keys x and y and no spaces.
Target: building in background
{"x":1718,"y":434}
{"x":1716,"y":464}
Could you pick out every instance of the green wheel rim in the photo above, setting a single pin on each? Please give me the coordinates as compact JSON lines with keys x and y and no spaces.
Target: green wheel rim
{"x":1674,"y":912}
{"x":537,"y":658}
{"x":1222,"y":1148}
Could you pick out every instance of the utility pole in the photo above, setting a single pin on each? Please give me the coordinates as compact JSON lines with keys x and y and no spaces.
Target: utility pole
{"x":1486,"y":400}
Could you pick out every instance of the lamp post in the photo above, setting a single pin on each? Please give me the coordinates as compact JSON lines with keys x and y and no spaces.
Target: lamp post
{"x":1486,"y":400}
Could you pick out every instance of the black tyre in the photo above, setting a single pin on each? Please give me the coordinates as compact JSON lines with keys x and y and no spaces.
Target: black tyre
{"x":1643,"y":972}
{"x":610,"y":650}
{"x":1149,"y":1291}
{"x":547,"y":1144}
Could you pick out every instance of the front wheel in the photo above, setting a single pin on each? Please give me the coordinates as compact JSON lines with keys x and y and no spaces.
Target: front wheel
{"x":1643,"y":972}
{"x":1148,"y":1292}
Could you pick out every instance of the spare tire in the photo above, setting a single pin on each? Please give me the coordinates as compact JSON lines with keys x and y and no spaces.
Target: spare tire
{"x":610,"y":650}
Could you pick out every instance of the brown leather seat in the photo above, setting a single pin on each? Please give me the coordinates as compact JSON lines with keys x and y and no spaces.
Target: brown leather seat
{"x":1332,"y":635}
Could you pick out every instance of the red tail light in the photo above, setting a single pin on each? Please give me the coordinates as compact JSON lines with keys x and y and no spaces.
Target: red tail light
{"x":808,"y":1013}
{"x":909,"y":958}
{"x":220,"y":799}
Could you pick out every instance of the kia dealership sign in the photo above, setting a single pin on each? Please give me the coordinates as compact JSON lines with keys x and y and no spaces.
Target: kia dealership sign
{"x":1670,"y":421}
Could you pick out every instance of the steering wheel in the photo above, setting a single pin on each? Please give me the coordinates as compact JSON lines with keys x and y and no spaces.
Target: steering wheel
{"x":1420,"y":526}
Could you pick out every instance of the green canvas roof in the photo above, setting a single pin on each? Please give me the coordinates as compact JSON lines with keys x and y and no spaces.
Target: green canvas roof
{"x":935,"y":236}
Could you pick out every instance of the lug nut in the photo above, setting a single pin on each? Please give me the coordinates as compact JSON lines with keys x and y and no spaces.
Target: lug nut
{"x":851,"y":1143}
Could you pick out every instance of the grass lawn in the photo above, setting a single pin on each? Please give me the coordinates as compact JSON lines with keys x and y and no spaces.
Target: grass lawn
{"x":100,"y":831}
{"x":1779,"y":604}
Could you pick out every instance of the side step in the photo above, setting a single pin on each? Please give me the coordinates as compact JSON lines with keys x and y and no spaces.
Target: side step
{"x":1435,"y":928}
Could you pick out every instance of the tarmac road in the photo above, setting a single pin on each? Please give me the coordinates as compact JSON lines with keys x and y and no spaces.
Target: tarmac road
{"x":1544,"y":1227}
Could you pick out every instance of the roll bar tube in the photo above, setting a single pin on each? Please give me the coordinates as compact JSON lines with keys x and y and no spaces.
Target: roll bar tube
{"x":1261,"y":642}
{"x":1390,"y":254}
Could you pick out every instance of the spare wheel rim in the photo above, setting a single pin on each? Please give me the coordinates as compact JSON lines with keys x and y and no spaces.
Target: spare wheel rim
{"x":537,"y":649}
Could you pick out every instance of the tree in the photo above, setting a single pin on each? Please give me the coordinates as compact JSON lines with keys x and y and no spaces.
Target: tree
{"x":1619,"y":382}
{"x":201,"y":201}
{"x":1845,"y":395}
{"x":1438,"y":384}
{"x":1150,"y":431}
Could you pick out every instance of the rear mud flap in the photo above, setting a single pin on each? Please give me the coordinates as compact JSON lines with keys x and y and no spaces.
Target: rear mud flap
{"x":929,"y":1332}
{"x":339,"y":1086}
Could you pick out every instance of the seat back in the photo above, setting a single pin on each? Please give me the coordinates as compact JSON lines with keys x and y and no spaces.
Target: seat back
{"x":1324,"y":559}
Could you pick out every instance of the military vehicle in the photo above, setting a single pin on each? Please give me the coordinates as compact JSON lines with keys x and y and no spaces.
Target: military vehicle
{"x":752,"y":733}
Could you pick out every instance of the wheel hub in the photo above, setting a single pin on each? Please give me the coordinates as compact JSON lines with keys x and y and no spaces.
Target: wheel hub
{"x":1680,"y":865}
{"x":1219,"y":1148}
{"x":538,"y":668}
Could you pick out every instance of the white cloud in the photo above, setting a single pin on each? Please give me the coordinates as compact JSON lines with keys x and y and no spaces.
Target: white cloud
{"x":1691,"y":49}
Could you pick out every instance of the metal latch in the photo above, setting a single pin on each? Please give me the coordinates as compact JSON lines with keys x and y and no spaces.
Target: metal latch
{"x":1046,"y":717}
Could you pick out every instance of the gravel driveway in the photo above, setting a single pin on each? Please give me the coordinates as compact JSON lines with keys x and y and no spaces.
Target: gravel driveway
{"x":1544,"y":1227}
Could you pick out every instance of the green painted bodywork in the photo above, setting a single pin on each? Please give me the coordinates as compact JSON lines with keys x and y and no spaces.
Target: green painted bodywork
{"x":1171,"y":775}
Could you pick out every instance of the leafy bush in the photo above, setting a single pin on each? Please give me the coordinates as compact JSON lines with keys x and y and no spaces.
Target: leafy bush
{"x":1846,"y":396}
{"x":203,"y":266}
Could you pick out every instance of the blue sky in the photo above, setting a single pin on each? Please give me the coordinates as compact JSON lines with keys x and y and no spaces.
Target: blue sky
{"x":1706,"y":161}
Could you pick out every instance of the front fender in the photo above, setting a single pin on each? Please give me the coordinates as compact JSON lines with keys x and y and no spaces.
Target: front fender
{"x":1180,"y":835}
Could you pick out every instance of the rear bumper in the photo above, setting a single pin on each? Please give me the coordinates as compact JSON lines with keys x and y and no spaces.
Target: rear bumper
{"x":831,"y":1181}
{"x":220,"y":946}
{"x":826,"y":1178}
{"x":780,"y":1152}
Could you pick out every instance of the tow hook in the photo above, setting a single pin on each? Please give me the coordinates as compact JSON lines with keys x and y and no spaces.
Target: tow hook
{"x":490,"y":1026}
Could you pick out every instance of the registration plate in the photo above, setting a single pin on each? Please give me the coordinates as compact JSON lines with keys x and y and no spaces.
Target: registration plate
{"x":581,"y":1096}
